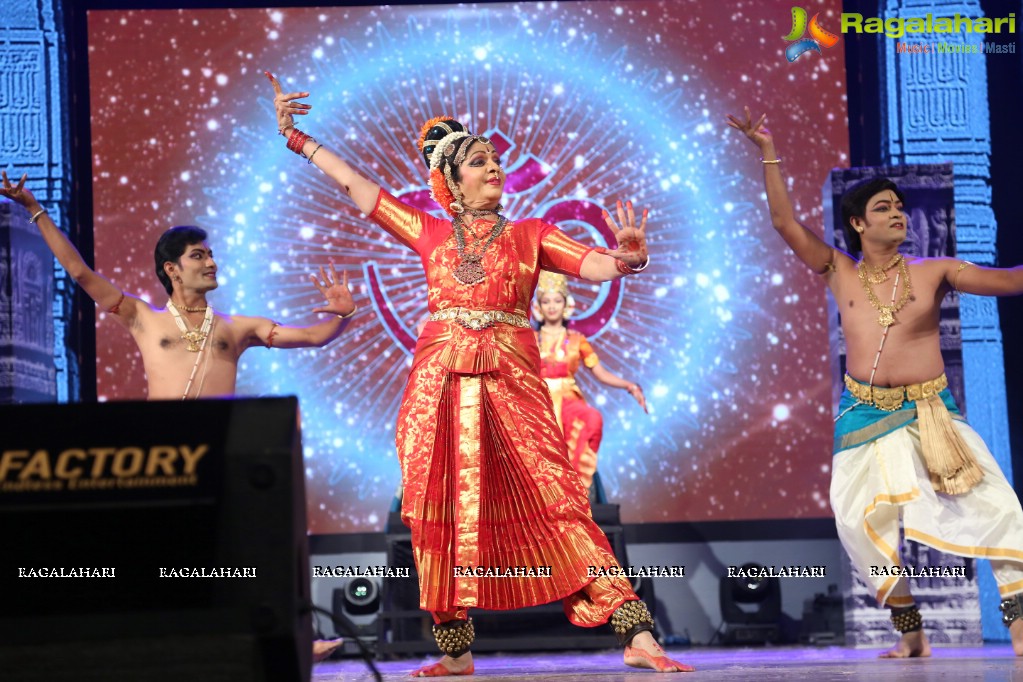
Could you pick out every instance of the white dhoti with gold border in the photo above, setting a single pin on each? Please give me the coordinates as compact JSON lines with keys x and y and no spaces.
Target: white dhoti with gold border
{"x":884,"y":479}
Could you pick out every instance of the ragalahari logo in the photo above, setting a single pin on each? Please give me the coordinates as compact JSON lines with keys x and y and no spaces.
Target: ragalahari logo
{"x":819,"y":37}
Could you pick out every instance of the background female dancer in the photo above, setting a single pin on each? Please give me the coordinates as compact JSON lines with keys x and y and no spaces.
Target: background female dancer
{"x":562,"y":352}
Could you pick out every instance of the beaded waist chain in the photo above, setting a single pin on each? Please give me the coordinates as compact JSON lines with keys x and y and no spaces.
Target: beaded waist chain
{"x":891,"y":398}
{"x":479,"y":319}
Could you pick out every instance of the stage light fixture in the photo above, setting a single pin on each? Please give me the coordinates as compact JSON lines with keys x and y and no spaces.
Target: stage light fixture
{"x":750,"y":607}
{"x":361,"y":596}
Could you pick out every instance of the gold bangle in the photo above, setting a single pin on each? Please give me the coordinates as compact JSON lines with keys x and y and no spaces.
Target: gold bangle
{"x":770,"y":163}
{"x":345,"y":317}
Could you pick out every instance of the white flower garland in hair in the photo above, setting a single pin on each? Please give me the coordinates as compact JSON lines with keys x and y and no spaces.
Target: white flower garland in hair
{"x":438,"y":151}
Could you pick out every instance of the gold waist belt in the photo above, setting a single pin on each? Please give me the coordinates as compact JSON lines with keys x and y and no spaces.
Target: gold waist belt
{"x":891,"y":399}
{"x":479,"y":319}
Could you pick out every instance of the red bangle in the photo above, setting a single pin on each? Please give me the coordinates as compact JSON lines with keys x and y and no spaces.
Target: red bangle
{"x":626,"y":270}
{"x":297,"y":140}
{"x":271,"y":335}
{"x":620,"y":264}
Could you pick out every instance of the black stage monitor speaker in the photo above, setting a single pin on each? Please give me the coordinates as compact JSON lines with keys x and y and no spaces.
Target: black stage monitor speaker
{"x":153,"y":541}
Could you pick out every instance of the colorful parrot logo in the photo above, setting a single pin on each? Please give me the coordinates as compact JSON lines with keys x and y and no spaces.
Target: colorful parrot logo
{"x":818,"y":36}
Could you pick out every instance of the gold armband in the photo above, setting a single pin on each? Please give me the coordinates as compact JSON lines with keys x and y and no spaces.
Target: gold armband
{"x":962,"y":266}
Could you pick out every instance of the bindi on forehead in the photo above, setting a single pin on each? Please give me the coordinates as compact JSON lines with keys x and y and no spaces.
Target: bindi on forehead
{"x":481,"y":148}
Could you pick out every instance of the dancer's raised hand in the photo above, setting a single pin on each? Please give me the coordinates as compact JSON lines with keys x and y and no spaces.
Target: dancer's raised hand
{"x":285,"y":105}
{"x":631,"y":238}
{"x":756,"y":132}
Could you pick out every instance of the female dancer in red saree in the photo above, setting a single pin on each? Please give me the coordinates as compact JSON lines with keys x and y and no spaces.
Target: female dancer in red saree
{"x":487,"y":484}
{"x":562,"y":352}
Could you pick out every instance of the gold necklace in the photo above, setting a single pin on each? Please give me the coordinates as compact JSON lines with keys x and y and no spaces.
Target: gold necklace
{"x":887,"y":316}
{"x":552,"y":343}
{"x":880,"y":275}
{"x":195,"y":338}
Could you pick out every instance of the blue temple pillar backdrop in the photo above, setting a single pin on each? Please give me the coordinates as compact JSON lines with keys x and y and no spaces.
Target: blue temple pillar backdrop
{"x":34,"y":139}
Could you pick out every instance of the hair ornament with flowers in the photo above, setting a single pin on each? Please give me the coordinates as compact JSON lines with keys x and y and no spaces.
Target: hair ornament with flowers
{"x":436,"y":139}
{"x":444,"y":143}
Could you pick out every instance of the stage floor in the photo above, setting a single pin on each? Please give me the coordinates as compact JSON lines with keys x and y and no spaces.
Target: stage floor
{"x":994,"y":663}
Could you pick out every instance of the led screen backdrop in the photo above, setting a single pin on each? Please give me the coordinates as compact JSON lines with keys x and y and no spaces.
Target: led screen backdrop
{"x":592,"y":102}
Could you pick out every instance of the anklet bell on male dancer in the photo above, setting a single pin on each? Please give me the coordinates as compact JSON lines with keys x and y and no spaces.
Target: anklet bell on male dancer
{"x":485,"y":471}
{"x":904,"y":455}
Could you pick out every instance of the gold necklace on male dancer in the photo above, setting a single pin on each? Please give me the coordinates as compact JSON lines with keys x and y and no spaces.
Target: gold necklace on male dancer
{"x":470,"y":268}
{"x":195,"y":339}
{"x":880,"y":275}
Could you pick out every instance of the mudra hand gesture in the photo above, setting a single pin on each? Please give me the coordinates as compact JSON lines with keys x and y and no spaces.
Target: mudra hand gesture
{"x":16,"y":193}
{"x":285,"y":105}
{"x":756,"y":132}
{"x":631,"y":239}
{"x":335,"y":290}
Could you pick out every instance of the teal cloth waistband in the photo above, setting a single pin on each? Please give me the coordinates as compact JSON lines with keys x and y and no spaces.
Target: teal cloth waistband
{"x":864,"y":423}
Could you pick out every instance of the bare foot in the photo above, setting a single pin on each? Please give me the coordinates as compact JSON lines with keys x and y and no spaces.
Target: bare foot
{"x":644,"y":652}
{"x":911,"y":645}
{"x":447,"y":666}
{"x":323,"y":648}
{"x":1016,"y":633}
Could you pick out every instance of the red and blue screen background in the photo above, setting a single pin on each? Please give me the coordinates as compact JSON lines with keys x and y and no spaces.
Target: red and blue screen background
{"x":593,"y":102}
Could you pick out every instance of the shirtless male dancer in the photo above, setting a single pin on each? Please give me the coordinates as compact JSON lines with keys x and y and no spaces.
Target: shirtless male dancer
{"x":902,"y":448}
{"x":188,"y":350}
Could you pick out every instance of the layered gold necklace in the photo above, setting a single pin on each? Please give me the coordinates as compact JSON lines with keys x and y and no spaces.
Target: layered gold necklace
{"x":194,"y":338}
{"x":879,"y":275}
{"x":469,"y":270}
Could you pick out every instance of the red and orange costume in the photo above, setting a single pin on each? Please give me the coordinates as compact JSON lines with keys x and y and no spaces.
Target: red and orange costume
{"x":581,"y":423}
{"x":487,"y":482}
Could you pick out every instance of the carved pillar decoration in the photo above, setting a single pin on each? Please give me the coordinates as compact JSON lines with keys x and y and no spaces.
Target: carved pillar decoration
{"x":937,"y":111}
{"x":26,"y":328}
{"x":34,"y":134}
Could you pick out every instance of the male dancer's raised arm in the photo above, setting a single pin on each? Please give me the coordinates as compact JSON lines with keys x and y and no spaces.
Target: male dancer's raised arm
{"x":106,"y":294}
{"x":807,"y":246}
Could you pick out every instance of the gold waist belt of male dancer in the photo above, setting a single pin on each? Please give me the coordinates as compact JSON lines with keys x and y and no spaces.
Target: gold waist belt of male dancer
{"x":952,"y":467}
{"x":891,"y":398}
{"x":479,"y":319}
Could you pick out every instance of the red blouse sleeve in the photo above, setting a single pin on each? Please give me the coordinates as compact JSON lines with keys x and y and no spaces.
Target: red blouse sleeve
{"x":415,"y":229}
{"x":560,"y":253}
